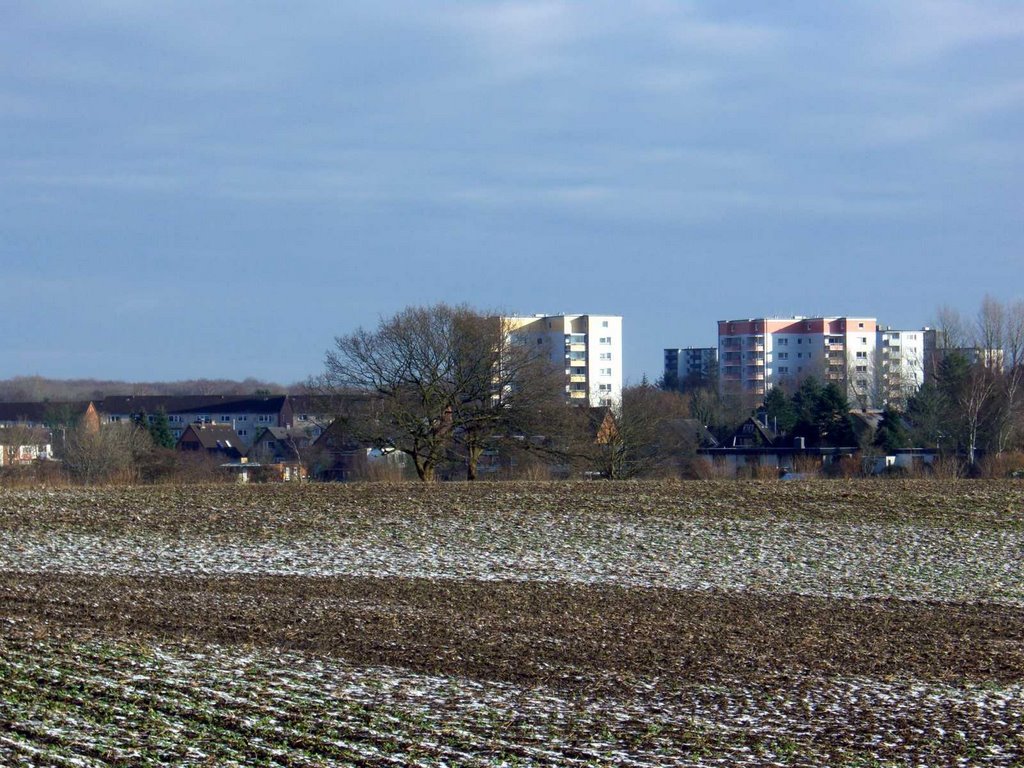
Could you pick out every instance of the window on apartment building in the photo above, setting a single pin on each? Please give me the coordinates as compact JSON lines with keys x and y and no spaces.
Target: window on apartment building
{"x":606,"y":371}
{"x":540,"y":341}
{"x":604,"y":387}
{"x":242,"y":418}
{"x":243,"y":432}
{"x":604,"y":323}
{"x":862,"y":355}
{"x":783,"y":341}
{"x":863,"y":339}
{"x":783,"y":355}
{"x":783,"y":369}
{"x":799,"y":354}
{"x":860,"y":325}
{"x":264,"y":417}
{"x":606,"y":356}
{"x":606,"y":339}
{"x":225,"y":419}
{"x":799,"y":341}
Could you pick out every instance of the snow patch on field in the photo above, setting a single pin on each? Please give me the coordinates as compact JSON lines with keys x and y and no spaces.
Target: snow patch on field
{"x":829,"y":558}
{"x":89,"y":703}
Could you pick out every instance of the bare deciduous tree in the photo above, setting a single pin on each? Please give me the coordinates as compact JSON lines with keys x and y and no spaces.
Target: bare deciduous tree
{"x":431,"y":380}
{"x":652,"y":435}
{"x":111,"y":453}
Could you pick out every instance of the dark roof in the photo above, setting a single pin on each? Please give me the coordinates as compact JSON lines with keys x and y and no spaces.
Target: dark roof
{"x":865,"y":421}
{"x":282,"y":433}
{"x":127,"y":404}
{"x":753,"y":428}
{"x":29,"y":436}
{"x":690,"y":429}
{"x":314,"y":404}
{"x":754,"y":450}
{"x":337,"y":438}
{"x":40,"y":411}
{"x":326,"y":405}
{"x":214,"y":437}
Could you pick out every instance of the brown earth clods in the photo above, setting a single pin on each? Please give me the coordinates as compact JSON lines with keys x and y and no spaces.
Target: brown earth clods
{"x":534,"y":632}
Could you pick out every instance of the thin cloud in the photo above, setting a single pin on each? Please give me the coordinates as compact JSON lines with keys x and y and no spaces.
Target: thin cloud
{"x":920,"y":31}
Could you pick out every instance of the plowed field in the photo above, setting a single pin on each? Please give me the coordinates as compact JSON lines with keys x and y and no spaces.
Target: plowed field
{"x":820,"y":623}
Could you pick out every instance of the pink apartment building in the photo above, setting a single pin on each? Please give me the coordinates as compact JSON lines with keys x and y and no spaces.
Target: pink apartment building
{"x":756,"y":354}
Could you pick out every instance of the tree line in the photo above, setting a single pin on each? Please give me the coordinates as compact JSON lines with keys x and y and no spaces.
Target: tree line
{"x":971,"y":403}
{"x":448,"y":385}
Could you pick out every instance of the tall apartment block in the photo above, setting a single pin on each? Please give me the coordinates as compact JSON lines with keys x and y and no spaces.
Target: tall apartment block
{"x":755,"y":354}
{"x":587,"y":347}
{"x":873,"y":365}
{"x":900,"y":364}
{"x":690,"y":366}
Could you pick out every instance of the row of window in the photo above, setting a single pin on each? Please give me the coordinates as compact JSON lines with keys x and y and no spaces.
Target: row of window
{"x":241,"y":432}
{"x":783,"y":342}
{"x":263,"y":418}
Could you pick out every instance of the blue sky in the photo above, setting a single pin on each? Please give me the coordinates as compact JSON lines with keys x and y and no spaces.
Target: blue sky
{"x":219,"y":188}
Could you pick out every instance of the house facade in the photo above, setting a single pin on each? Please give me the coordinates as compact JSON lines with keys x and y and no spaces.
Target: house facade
{"x":245,"y":415}
{"x":218,"y":440}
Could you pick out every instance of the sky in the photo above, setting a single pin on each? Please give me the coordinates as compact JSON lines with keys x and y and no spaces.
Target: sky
{"x":220,"y":188}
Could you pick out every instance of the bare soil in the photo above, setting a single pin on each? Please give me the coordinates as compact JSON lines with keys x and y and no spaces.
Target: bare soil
{"x":539,"y":632}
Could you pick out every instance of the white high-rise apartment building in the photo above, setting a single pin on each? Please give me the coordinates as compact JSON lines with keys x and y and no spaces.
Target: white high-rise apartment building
{"x":900,"y":364}
{"x":587,"y":347}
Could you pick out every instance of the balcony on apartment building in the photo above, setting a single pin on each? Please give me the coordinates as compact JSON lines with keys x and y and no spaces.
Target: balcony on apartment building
{"x":576,"y":342}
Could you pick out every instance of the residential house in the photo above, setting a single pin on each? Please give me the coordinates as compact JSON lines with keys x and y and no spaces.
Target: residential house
{"x":47,"y":413}
{"x":218,"y":440}
{"x":20,"y":445}
{"x":276,"y":445}
{"x":340,"y":457}
{"x":314,"y":413}
{"x":755,"y":448}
